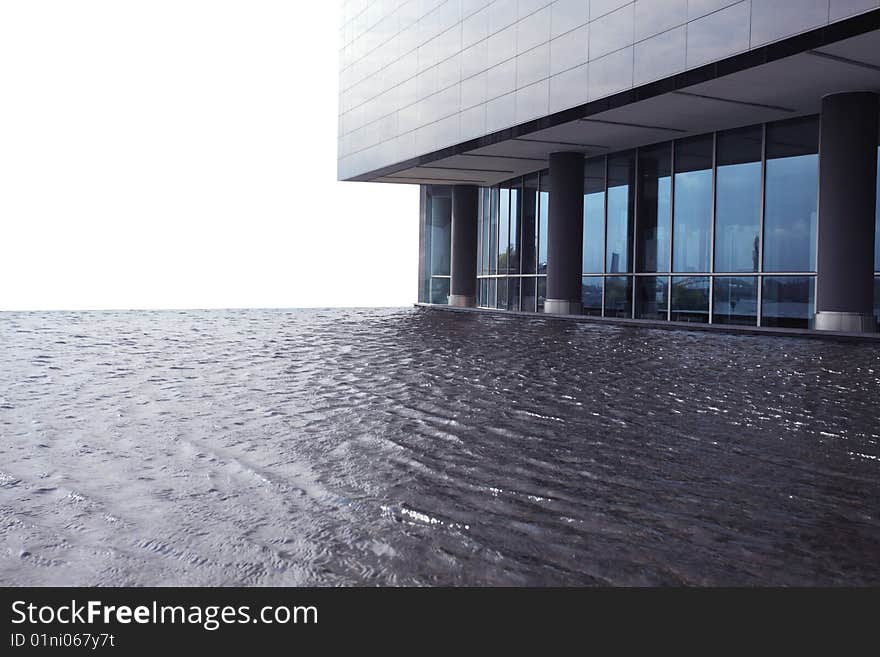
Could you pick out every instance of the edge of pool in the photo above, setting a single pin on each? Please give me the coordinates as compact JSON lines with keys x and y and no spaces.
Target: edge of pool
{"x":812,"y":334}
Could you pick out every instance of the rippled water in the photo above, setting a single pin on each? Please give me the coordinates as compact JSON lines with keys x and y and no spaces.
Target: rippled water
{"x":421,"y":447}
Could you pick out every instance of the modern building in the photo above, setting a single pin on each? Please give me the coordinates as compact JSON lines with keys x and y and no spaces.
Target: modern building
{"x":708,"y":161}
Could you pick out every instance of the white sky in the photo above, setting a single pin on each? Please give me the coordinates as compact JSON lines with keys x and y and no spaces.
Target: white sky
{"x":182,"y":154}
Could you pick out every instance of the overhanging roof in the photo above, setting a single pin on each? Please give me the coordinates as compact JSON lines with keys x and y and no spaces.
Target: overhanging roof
{"x":783,"y":80}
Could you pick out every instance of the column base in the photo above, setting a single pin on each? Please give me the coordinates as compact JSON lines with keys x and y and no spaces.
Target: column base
{"x":562,"y":307}
{"x":829,"y":320}
{"x":462,"y":300}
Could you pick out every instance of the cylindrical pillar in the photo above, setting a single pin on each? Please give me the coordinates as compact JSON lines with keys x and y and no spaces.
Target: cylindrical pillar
{"x":565,"y":232}
{"x":847,"y":197}
{"x":465,"y":205}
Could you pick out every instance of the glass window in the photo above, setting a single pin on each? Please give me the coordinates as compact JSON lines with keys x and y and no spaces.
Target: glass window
{"x":877,"y":221}
{"x":513,"y":293}
{"x":493,"y":288}
{"x":513,"y":250}
{"x":652,"y":297}
{"x":542,"y":292}
{"x":735,"y":300}
{"x":591,"y":295}
{"x":440,"y":290}
{"x":594,"y":215}
{"x":528,"y":293}
{"x":618,"y":241}
{"x":503,"y":228}
{"x":690,"y":299}
{"x":788,"y":301}
{"x":502,"y":294}
{"x":654,"y":208}
{"x":877,"y":300}
{"x":543,"y":208}
{"x":692,"y":221}
{"x":493,"y":230}
{"x":440,"y":224}
{"x":484,"y":230}
{"x":792,"y":174}
{"x":738,"y":200}
{"x":529,"y":239}
{"x":618,"y":296}
{"x":483,"y":291}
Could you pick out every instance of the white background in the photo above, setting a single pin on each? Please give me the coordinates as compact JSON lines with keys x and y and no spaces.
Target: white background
{"x":182,"y":154}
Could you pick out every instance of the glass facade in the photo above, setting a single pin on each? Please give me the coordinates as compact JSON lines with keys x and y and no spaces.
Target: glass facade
{"x":512,"y":250}
{"x":791,"y":185}
{"x":692,"y":216}
{"x":718,"y":228}
{"x":738,"y":200}
{"x":438,"y":244}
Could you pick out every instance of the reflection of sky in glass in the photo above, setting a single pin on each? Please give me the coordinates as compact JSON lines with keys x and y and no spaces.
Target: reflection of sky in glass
{"x":513,"y":261}
{"x":542,"y":231}
{"x":618,"y":229}
{"x":594,"y":228}
{"x":493,"y":230}
{"x":441,"y":235}
{"x":737,"y":216}
{"x":503,"y":225}
{"x":790,"y":213}
{"x":664,"y":207}
{"x":693,"y":221}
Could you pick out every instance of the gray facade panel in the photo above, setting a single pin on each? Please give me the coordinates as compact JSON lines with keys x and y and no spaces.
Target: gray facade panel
{"x":660,"y":56}
{"x":411,"y":69}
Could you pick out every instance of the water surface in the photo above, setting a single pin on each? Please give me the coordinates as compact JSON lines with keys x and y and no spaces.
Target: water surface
{"x":416,"y":447}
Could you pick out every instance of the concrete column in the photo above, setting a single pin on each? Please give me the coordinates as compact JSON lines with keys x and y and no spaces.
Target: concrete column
{"x":465,"y":205}
{"x":565,"y":234}
{"x":847,"y":196}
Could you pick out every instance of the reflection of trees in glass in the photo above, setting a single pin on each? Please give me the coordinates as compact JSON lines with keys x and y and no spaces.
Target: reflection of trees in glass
{"x":508,"y":261}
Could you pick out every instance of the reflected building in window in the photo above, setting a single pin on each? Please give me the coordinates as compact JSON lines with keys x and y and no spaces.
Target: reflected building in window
{"x":607,"y":165}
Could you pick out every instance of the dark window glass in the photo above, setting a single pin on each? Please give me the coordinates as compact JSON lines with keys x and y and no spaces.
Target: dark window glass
{"x":513,"y":251}
{"x":528,"y":293}
{"x":493,"y":288}
{"x":618,"y":243}
{"x":652,"y":297}
{"x":618,"y":296}
{"x":877,"y":300}
{"x":692,"y":221}
{"x":594,"y":215}
{"x":542,"y":292}
{"x":513,"y":293}
{"x":788,"y":301}
{"x":877,"y":221}
{"x":790,"y":190}
{"x":483,"y":292}
{"x":591,"y":295}
{"x":502,"y":294}
{"x":503,"y":228}
{"x":529,"y":232}
{"x":543,"y":208}
{"x":654,"y":208}
{"x":738,"y":200}
{"x":690,"y":299}
{"x":736,"y":300}
{"x":439,"y":290}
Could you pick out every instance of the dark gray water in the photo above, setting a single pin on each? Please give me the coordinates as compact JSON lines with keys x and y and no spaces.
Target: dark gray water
{"x":420,"y":447}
